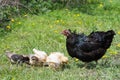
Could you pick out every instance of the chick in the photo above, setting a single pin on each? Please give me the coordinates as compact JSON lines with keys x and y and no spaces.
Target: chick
{"x":38,"y":58}
{"x":17,"y":58}
{"x":56,"y":60}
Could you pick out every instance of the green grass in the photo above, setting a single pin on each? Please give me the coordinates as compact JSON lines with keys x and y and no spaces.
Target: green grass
{"x":43,"y":32}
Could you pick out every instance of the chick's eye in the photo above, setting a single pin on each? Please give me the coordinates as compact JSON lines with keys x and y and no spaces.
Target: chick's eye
{"x":33,"y":59}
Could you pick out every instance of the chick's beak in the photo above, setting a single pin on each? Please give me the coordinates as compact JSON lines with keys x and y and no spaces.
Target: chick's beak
{"x":46,"y":64}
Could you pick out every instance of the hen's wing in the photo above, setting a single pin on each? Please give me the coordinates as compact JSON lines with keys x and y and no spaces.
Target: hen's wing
{"x":85,"y":44}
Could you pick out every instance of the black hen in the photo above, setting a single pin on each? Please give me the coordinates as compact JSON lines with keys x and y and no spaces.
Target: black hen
{"x":88,"y":48}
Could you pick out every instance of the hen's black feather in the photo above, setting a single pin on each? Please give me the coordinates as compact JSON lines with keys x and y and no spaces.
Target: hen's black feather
{"x":88,"y":48}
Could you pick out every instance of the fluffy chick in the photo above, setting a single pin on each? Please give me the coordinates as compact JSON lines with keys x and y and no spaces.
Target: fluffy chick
{"x":56,"y":60}
{"x":38,"y":58}
{"x":17,"y":58}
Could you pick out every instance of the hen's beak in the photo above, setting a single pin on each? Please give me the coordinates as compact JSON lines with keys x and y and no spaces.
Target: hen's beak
{"x":63,"y":33}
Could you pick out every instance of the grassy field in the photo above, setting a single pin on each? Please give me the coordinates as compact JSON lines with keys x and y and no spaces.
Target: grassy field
{"x":43,"y":32}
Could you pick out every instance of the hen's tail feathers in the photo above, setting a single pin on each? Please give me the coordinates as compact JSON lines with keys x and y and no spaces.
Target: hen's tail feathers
{"x":110,"y":33}
{"x":109,"y":37}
